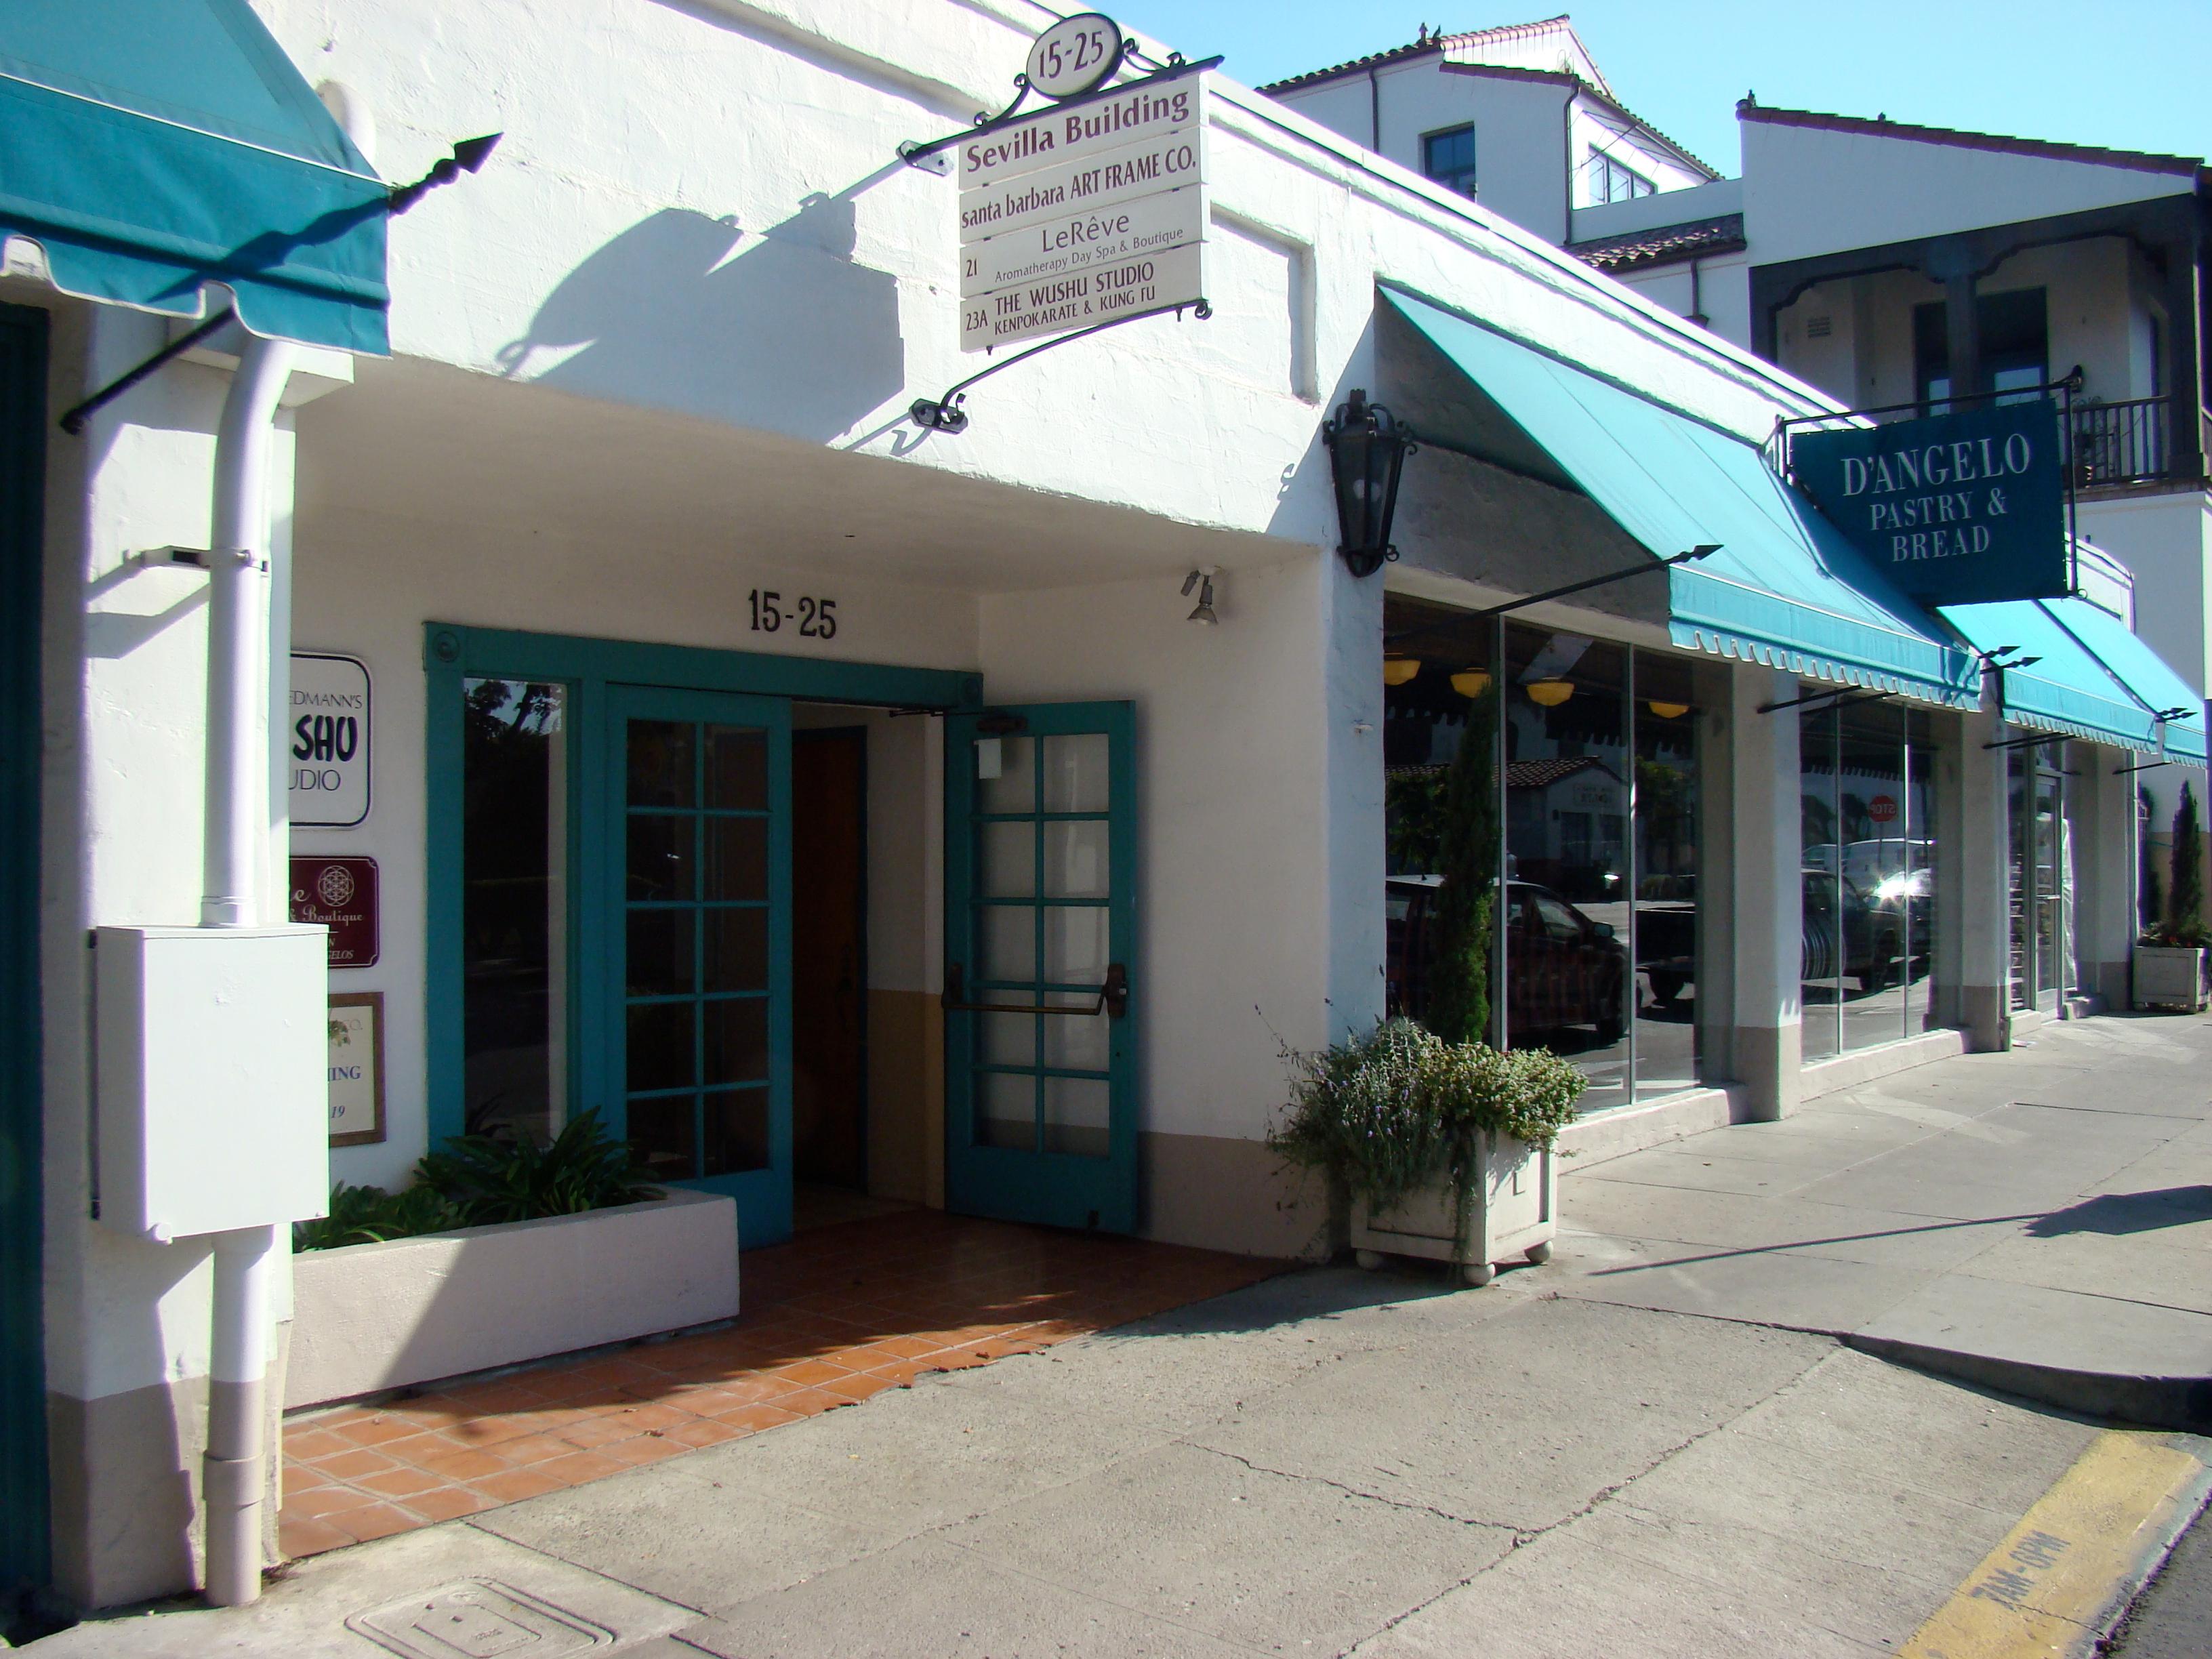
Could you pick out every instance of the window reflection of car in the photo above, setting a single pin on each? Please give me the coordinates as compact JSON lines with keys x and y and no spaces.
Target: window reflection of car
{"x":1868,"y":933}
{"x":1562,"y":968}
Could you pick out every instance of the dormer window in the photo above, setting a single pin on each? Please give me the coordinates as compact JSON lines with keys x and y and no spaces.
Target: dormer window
{"x":1615,"y":181}
{"x":1448,"y":157}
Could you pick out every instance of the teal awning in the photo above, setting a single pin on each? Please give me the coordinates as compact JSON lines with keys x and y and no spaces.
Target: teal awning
{"x":1786,"y":590}
{"x":153,"y":146}
{"x":2096,"y":680}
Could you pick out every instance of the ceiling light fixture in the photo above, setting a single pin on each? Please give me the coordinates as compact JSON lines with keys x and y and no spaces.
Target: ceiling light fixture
{"x":1396,"y":671}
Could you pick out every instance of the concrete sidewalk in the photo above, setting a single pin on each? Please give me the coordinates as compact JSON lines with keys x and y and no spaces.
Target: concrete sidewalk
{"x":2040,"y":1221}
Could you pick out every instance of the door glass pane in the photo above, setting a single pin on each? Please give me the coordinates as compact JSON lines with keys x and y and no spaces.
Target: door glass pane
{"x":1005,"y":1110}
{"x":737,"y":769}
{"x":1076,"y":1042}
{"x":737,"y":858}
{"x":1076,"y":1111}
{"x":1567,"y":972}
{"x":2016,"y":770}
{"x":737,"y":1132}
{"x":1821,"y":837}
{"x":664,"y":1135}
{"x":660,"y":1045}
{"x":661,"y":763}
{"x":1668,"y":720}
{"x":1075,"y":945}
{"x":514,"y":909}
{"x":1920,"y":876}
{"x":1875,"y":861}
{"x":1075,"y":859}
{"x":658,"y":958}
{"x":660,"y":858}
{"x":1014,"y":790}
{"x":2052,"y":879}
{"x":1009,"y":1039}
{"x":737,"y":1040}
{"x":737,"y":949}
{"x":1008,"y":938}
{"x":1075,"y":773}
{"x":1008,"y":853}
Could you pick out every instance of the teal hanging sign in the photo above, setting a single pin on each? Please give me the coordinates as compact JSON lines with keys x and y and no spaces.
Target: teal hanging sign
{"x":1957,"y":509}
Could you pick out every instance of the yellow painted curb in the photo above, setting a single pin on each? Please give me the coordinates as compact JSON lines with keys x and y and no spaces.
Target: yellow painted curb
{"x":2049,"y":1589}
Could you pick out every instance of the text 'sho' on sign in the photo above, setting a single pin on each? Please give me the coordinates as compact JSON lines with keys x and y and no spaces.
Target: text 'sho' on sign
{"x":1957,"y":508}
{"x":327,"y":747}
{"x":1083,"y":214}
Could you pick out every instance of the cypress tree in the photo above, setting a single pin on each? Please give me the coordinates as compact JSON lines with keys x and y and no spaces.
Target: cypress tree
{"x":1459,"y":982}
{"x":2184,"y":887}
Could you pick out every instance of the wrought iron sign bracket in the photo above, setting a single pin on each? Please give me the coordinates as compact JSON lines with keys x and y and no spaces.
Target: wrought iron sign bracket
{"x":935,"y":155}
{"x":1113,"y":998}
{"x":945,"y":415}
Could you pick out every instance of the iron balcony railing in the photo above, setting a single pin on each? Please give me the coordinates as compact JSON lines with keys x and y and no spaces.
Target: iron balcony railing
{"x":2127,"y":442}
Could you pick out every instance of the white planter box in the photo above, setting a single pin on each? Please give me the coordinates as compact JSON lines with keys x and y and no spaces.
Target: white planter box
{"x":373,"y":1316}
{"x":1515,"y":1212}
{"x":2169,"y":977}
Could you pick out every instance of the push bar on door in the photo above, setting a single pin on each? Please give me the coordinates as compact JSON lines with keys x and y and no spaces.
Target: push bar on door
{"x":1113,"y":997}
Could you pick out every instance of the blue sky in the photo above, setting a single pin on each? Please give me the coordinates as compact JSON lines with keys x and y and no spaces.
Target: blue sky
{"x":2130,"y":74}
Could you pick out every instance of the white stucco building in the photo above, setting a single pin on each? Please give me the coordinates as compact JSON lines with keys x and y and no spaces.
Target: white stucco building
{"x":728,"y":737}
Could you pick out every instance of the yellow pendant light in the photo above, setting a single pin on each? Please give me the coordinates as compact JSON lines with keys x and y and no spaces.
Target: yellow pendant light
{"x":1396,"y":671}
{"x":1668,"y":711}
{"x":1471,"y":681}
{"x":1550,"y":694}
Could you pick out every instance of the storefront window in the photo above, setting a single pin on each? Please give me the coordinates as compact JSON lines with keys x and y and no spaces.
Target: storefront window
{"x":1920,"y":874}
{"x":1666,"y":934}
{"x":2042,"y":877}
{"x":1873,"y":872}
{"x":1820,"y":836}
{"x":1568,"y":974}
{"x":514,"y":840}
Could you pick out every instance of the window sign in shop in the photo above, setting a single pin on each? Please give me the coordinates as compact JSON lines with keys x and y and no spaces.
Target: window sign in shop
{"x":329,"y":747}
{"x":1083,"y":214}
{"x":356,"y":1068}
{"x":339,"y":894}
{"x":1958,"y":508}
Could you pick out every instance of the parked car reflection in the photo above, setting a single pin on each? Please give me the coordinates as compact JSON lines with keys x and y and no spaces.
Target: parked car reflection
{"x":1563,"y":970}
{"x":1854,"y":934}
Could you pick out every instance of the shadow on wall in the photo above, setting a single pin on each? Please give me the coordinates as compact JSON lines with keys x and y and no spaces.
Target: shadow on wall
{"x":778,"y":329}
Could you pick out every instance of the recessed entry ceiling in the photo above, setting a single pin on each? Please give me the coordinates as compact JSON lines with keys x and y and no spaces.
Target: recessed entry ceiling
{"x":429,"y":444}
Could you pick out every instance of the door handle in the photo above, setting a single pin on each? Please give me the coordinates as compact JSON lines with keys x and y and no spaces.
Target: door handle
{"x":1113,"y":997}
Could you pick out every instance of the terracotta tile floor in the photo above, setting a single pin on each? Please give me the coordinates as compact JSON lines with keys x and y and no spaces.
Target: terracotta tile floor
{"x":841,"y":1313}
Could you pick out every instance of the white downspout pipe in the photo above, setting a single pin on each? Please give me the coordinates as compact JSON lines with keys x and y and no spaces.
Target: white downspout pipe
{"x":234,"y":1468}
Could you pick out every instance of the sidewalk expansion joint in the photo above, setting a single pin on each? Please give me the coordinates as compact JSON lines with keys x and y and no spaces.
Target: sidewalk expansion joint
{"x":1361,"y":1492}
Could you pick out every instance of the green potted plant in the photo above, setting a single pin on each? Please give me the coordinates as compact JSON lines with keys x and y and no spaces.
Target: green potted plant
{"x":2169,"y":958}
{"x":1443,"y":1151}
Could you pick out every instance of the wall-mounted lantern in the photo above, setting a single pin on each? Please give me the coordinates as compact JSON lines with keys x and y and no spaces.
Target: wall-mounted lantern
{"x":1367,"y":449}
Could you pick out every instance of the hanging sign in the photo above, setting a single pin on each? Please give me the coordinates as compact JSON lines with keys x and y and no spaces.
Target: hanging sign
{"x":1958,"y":508}
{"x":339,"y":894}
{"x":328,"y":742}
{"x":1079,"y":214}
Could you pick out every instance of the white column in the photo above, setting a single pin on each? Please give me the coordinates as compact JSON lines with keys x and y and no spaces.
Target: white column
{"x":1765,"y":892}
{"x":1974,"y":874}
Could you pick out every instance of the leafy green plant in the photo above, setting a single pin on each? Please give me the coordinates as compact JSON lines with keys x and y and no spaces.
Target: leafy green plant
{"x":1389,"y":1111}
{"x":2185,"y":888}
{"x":492,"y":1178}
{"x":475,"y":1181}
{"x":370,"y":1215}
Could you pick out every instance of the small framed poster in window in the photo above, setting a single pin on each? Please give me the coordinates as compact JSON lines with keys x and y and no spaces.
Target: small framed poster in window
{"x":357,"y":1039}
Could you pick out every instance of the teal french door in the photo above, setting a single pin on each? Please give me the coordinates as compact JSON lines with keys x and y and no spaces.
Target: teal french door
{"x":699,"y":987}
{"x":1041,"y":1008}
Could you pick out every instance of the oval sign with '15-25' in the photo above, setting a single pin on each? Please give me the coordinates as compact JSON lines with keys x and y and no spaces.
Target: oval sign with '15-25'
{"x":1074,"y":54}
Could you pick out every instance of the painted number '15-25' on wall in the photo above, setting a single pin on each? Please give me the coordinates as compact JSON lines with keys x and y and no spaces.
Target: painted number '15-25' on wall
{"x":815,"y":619}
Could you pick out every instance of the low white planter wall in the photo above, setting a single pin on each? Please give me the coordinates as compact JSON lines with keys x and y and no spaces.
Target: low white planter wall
{"x":1515,"y":1206}
{"x":2170,"y":976}
{"x":373,"y":1317}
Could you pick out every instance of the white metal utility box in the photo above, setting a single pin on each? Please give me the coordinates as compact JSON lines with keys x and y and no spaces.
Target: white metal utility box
{"x":213,"y":1046}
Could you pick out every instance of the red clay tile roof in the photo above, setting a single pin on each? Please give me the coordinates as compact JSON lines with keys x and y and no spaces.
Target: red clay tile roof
{"x":1662,"y":243}
{"x":2142,"y":160}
